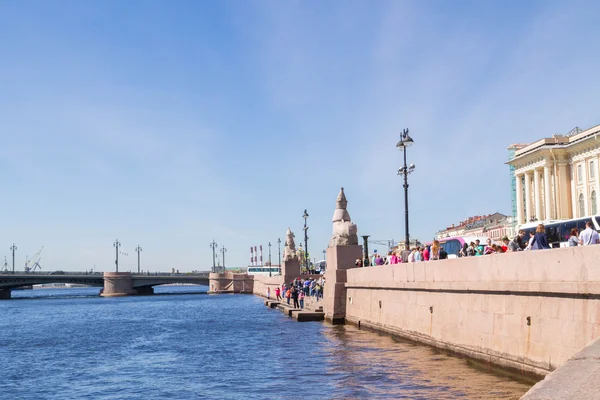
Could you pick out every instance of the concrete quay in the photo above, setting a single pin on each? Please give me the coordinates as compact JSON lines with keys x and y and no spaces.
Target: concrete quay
{"x":578,"y":378}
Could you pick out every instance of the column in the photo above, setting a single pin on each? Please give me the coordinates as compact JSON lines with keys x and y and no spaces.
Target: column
{"x":537,"y":190}
{"x":519,"y":199}
{"x":586,"y":191}
{"x":548,"y":203}
{"x":563,"y":191}
{"x":596,"y":167}
{"x":528,"y":212}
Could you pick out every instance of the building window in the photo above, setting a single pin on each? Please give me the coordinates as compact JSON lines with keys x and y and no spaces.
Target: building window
{"x":579,"y":173}
{"x":592,"y":169}
{"x":581,"y":205}
{"x":593,"y":201}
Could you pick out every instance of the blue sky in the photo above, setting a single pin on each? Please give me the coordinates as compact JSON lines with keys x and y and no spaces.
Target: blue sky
{"x":168,"y":124}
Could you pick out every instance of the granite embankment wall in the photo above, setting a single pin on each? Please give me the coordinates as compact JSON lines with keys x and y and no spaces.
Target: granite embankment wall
{"x":530,"y":310}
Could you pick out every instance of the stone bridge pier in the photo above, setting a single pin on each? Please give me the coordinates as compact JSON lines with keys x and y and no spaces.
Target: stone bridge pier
{"x":118,"y":284}
{"x":4,"y":294}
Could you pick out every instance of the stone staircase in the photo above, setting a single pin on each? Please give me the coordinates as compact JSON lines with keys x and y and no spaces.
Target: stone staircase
{"x":301,"y":315}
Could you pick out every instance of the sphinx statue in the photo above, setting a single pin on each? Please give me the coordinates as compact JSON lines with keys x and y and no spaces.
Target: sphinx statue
{"x":344,"y":231}
{"x":289,"y":251}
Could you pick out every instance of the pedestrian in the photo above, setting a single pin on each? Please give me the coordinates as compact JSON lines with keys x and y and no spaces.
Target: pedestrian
{"x":268,"y":293}
{"x":478,"y":248}
{"x":443,"y":253}
{"x":488,"y":248}
{"x":288,"y":295}
{"x":411,"y":256}
{"x":301,"y":297}
{"x":505,"y":243}
{"x":278,"y":293}
{"x":574,"y":238}
{"x":418,"y":254}
{"x":435,"y":251}
{"x":540,"y":240}
{"x":517,"y":243}
{"x":471,"y":252}
{"x":426,"y":253}
{"x":295,"y":297}
{"x":358,"y":263}
{"x":589,"y":236}
{"x":463,"y":250}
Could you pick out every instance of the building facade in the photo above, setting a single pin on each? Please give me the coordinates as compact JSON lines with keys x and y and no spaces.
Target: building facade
{"x":494,"y":226}
{"x":557,"y":178}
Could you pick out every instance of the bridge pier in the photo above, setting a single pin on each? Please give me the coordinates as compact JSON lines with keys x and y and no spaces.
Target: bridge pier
{"x":118,"y":284}
{"x":5,"y":294}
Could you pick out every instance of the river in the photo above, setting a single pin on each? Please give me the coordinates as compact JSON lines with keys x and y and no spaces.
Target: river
{"x":72,"y":344}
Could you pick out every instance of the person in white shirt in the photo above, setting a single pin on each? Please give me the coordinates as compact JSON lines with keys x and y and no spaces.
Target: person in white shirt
{"x":589,"y":236}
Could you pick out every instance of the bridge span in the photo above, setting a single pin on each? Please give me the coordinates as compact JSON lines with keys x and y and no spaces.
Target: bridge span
{"x":113,"y":283}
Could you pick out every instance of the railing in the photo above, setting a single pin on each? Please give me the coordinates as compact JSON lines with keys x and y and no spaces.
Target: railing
{"x":101,"y":273}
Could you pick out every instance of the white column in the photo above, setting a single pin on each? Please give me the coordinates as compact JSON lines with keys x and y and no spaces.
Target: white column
{"x":596,"y":165}
{"x":519,"y":199}
{"x":547,"y":193}
{"x":537,"y":190}
{"x":586,"y":191}
{"x":528,"y":212}
{"x":574,"y":197}
{"x":563,"y":191}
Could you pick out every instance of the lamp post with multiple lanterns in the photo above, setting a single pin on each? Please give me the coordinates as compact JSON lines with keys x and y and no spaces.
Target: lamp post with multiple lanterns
{"x":402,"y":145}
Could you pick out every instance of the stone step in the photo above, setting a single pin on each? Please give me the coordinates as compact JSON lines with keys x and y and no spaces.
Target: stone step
{"x":305,"y":316}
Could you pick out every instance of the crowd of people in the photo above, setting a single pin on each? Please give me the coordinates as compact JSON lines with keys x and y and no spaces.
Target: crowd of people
{"x":298,"y":289}
{"x":435,"y":251}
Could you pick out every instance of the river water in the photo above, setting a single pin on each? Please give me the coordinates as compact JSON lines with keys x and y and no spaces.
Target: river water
{"x":72,"y":344}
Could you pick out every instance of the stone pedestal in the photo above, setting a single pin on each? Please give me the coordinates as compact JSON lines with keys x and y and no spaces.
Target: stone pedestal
{"x":339,"y":260}
{"x":290,"y":270}
{"x":230,"y":283}
{"x":118,"y":284}
{"x":4,"y":294}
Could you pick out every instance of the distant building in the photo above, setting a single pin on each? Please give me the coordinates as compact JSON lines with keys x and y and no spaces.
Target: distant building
{"x":557,"y":178}
{"x":493,"y":225}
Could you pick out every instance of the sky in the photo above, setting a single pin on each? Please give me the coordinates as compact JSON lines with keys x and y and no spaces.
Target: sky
{"x":172,"y":124}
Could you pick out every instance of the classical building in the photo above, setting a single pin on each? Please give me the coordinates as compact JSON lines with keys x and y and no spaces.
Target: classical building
{"x":493,"y":225}
{"x":557,"y":178}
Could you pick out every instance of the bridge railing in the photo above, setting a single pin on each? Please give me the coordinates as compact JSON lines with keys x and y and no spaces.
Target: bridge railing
{"x":101,"y":273}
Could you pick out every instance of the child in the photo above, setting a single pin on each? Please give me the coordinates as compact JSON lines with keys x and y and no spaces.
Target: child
{"x":301,"y":297}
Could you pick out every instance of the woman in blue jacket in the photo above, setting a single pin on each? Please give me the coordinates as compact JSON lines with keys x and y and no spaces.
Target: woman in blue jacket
{"x":540,"y":241}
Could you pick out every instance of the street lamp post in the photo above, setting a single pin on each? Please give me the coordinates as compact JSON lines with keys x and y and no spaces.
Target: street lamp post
{"x":270,"y":259}
{"x":402,"y":145}
{"x":117,"y":244}
{"x":366,"y":248}
{"x":223,"y":251}
{"x":138,"y":250}
{"x":279,"y":249}
{"x":305,"y":216}
{"x":213,"y":246}
{"x":13,"y":248}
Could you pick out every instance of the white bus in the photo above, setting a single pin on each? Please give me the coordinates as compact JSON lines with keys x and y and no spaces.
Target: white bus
{"x":264,"y":270}
{"x":558,"y":232}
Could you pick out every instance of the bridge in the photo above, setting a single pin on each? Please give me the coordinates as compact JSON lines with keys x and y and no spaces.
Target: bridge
{"x":113,"y":283}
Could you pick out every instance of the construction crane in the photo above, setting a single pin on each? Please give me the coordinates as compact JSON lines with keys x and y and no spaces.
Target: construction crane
{"x":34,"y":263}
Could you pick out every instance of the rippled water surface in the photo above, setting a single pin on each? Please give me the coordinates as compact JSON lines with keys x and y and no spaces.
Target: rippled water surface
{"x":72,"y":344}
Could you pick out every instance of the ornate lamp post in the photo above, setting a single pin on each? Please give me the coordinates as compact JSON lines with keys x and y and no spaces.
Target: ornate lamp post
{"x":223,"y":251}
{"x":213,"y":246}
{"x":279,"y":249}
{"x":116,"y":245}
{"x":402,"y":145}
{"x":138,"y":250}
{"x":305,"y":216}
{"x":13,"y":248}
{"x":270,"y":259}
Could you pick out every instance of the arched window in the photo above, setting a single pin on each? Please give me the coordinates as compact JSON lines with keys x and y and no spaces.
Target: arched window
{"x":581,"y":205}
{"x":593,"y":201}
